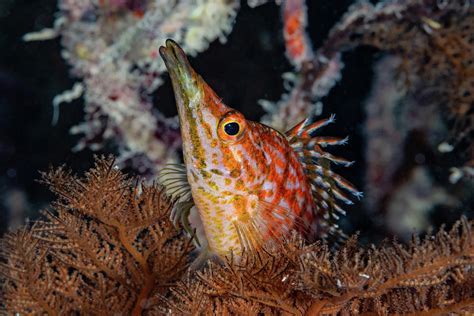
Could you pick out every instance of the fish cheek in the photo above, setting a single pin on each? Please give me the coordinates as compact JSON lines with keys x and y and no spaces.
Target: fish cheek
{"x":230,"y":164}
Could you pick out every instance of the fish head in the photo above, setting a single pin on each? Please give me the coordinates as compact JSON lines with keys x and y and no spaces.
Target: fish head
{"x":214,"y":134}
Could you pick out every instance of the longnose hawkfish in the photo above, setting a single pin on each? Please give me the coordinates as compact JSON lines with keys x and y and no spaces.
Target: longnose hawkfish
{"x":242,"y":183}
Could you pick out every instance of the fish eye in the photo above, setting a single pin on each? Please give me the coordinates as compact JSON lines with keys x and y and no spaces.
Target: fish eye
{"x":232,"y":128}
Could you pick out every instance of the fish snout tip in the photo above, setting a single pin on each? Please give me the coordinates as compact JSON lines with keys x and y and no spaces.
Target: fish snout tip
{"x":162,"y":51}
{"x":172,"y":51}
{"x":166,"y":50}
{"x":170,"y":43}
{"x":186,"y":83}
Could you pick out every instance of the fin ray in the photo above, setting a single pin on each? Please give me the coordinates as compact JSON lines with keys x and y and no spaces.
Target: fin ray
{"x":270,"y":223}
{"x":174,"y":179}
{"x":329,"y":189}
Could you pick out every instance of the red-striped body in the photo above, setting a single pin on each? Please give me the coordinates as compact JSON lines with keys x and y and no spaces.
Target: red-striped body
{"x":250,"y":185}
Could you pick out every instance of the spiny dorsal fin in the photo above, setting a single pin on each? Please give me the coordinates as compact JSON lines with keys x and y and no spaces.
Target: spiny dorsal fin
{"x":329,"y":189}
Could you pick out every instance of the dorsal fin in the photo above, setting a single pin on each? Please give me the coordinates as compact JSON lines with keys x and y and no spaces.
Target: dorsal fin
{"x":329,"y":189}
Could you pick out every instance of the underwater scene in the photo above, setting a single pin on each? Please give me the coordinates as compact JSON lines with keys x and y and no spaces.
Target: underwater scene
{"x":227,"y":157}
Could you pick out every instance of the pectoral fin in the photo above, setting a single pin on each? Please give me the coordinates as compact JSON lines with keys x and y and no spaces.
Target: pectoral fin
{"x":268,"y":224}
{"x":174,"y":179}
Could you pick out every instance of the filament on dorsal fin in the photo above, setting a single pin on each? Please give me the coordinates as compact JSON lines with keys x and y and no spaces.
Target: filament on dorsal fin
{"x":330,"y":141}
{"x":305,"y":130}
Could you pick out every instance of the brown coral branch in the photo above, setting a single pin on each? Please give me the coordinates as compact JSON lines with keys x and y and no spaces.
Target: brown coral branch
{"x":108,"y":246}
{"x":448,"y":309}
{"x":297,"y":279}
{"x":147,"y":275}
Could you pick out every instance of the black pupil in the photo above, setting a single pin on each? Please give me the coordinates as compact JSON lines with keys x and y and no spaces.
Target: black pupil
{"x":231,"y":128}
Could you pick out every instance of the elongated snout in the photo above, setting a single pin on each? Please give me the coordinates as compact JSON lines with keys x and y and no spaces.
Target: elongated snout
{"x":187,"y":84}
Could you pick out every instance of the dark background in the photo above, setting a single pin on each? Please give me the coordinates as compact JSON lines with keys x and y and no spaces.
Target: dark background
{"x":242,"y":71}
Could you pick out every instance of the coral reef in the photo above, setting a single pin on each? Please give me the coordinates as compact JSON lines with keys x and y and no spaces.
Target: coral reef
{"x":112,"y":47}
{"x":310,"y":279}
{"x":433,"y":39}
{"x":395,"y":186}
{"x":108,"y":246}
{"x":434,"y":43}
{"x":105,"y":246}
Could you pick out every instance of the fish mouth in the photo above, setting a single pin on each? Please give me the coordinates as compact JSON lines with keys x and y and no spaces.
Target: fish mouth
{"x":185,"y":81}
